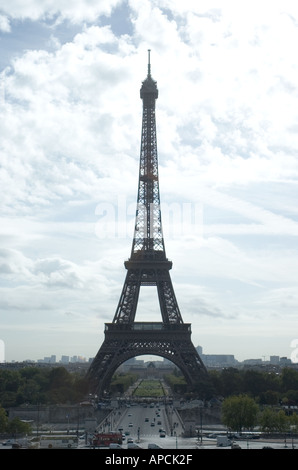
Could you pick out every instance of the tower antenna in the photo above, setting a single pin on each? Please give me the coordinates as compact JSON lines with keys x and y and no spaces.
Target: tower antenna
{"x":149,"y":65}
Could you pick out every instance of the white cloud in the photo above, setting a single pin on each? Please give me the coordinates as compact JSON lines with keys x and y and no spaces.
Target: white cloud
{"x":77,"y":12}
{"x":227,"y":125}
{"x":4,"y":24}
{"x":56,"y":117}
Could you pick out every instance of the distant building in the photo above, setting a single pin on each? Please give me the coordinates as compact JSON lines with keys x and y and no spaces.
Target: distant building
{"x":274,"y":360}
{"x":65,"y":359}
{"x":152,"y":369}
{"x":252,"y":362}
{"x":219,"y":360}
{"x":285,"y":361}
{"x":48,"y":360}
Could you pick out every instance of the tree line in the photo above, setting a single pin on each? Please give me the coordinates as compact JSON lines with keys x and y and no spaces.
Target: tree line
{"x":40,"y":385}
{"x":242,"y":413}
{"x":267,"y":388}
{"x":52,"y":385}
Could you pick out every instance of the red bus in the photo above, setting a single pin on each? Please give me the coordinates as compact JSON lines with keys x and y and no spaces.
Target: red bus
{"x":104,"y":439}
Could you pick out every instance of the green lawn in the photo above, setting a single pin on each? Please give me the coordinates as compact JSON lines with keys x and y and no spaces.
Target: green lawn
{"x":149,"y":388}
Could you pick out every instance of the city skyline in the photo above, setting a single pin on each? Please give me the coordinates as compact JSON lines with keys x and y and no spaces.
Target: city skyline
{"x":227,"y":120}
{"x":81,"y":358}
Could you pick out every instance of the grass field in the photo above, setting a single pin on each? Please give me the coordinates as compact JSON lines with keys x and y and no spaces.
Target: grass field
{"x":150,"y":388}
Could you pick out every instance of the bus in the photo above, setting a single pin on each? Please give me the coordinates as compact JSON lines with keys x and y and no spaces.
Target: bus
{"x":58,"y":441}
{"x":104,"y":439}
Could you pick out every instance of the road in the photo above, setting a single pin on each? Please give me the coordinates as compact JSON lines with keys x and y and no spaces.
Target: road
{"x":140,"y":421}
{"x":143,"y":425}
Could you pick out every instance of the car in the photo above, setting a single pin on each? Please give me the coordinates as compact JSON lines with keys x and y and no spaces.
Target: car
{"x":152,"y":424}
{"x":113,"y":445}
{"x":9,"y":442}
{"x":130,"y":425}
{"x":154,"y":446}
{"x":162,"y":434}
{"x":133,"y":446}
{"x":17,"y":445}
{"x":130,"y":440}
{"x":235,"y":446}
{"x":146,"y":420}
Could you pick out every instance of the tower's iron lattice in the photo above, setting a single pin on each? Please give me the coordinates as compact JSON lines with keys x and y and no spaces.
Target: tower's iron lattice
{"x":147,"y":265}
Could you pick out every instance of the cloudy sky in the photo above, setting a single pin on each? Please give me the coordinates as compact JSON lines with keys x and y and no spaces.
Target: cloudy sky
{"x":227,"y":124}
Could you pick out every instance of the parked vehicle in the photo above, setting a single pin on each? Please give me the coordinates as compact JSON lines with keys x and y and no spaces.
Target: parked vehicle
{"x":59,"y":441}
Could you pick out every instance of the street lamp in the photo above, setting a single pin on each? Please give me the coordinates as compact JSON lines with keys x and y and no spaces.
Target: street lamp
{"x":175,"y":434}
{"x":201,"y":422}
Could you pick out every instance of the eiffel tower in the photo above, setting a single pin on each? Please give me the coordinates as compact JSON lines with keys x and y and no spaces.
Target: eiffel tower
{"x":147,"y":266}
